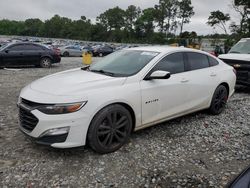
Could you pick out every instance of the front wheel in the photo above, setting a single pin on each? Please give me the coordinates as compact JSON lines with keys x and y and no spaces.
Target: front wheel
{"x":66,"y":54}
{"x":45,"y":62}
{"x":219,"y":100}
{"x":110,"y":129}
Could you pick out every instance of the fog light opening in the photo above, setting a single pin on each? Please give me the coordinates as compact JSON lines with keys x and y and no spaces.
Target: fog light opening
{"x":55,"y":131}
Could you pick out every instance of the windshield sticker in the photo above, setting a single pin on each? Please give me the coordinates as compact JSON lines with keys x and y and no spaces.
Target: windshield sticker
{"x":149,"y":53}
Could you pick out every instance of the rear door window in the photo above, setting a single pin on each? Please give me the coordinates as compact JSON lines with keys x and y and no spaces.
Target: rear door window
{"x":212,"y":61}
{"x":173,"y":63}
{"x":197,"y":60}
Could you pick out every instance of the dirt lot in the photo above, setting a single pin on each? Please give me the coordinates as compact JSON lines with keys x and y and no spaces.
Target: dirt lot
{"x":197,"y":150}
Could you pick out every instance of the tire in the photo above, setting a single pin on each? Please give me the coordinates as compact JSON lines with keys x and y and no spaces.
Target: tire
{"x":45,"y":62}
{"x":109,"y":129}
{"x":219,"y":100}
{"x":65,"y":54}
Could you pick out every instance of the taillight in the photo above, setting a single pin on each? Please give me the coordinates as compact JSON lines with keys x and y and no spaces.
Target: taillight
{"x":235,"y":72}
{"x":57,"y":51}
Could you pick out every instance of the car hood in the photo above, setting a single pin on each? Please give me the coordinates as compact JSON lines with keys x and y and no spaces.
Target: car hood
{"x":74,"y":82}
{"x":233,"y":56}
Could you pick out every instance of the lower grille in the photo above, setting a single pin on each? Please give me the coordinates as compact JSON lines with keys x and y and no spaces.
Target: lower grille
{"x":27,"y":120}
{"x":243,"y":75}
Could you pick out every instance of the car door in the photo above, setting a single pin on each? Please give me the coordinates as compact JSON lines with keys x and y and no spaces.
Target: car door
{"x":12,"y":55}
{"x":162,"y":98}
{"x":31,"y":54}
{"x":201,"y":81}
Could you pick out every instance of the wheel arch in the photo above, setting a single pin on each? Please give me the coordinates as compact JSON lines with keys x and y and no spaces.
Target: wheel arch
{"x":125,"y":105}
{"x":227,"y":87}
{"x":46,"y":56}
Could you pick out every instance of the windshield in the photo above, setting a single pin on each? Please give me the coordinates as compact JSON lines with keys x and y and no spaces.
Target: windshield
{"x":123,"y":63}
{"x":242,"y":47}
{"x":3,"y":46}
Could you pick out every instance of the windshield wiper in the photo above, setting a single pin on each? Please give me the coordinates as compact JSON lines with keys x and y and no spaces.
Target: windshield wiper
{"x":103,"y":72}
{"x":85,"y":68}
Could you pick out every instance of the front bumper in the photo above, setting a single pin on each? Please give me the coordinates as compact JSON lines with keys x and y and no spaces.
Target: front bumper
{"x":243,"y":77}
{"x":47,"y":140}
{"x":77,"y":123}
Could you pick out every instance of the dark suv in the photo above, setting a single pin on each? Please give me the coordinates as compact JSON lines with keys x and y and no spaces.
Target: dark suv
{"x":27,"y":54}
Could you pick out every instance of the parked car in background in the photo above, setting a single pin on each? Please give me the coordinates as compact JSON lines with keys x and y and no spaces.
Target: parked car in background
{"x":87,"y":49}
{"x":102,"y":51}
{"x":71,"y":51}
{"x":27,"y":54}
{"x":239,"y":58}
{"x":126,"y":91}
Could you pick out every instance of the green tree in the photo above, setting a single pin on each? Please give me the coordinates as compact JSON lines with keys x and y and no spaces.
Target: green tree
{"x":166,"y":14}
{"x":33,"y":27}
{"x":185,"y":12}
{"x":219,"y":19}
{"x":145,"y":24}
{"x":112,"y":19}
{"x":131,"y":15}
{"x":242,"y":7}
{"x":57,"y":27}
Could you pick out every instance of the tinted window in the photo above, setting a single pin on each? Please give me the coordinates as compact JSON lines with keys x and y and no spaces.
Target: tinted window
{"x":37,"y":48}
{"x":16,"y":47}
{"x":30,"y":47}
{"x":212,"y":61}
{"x":197,"y":61}
{"x":173,"y":63}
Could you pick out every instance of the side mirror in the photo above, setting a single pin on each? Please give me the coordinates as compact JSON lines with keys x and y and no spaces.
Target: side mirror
{"x":158,"y":75}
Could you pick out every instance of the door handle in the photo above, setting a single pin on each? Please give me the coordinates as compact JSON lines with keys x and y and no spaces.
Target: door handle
{"x":213,"y":74}
{"x":184,"y":80}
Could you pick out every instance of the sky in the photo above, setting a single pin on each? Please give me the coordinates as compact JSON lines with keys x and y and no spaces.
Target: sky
{"x":74,"y":9}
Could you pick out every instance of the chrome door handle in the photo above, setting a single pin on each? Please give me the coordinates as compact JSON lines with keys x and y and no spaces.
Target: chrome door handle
{"x":184,"y":80}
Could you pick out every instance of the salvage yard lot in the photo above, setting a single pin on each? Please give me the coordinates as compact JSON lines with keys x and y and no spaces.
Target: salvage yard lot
{"x":198,"y":150}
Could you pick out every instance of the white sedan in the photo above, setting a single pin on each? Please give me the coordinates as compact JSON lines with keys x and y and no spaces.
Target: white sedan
{"x":126,"y":91}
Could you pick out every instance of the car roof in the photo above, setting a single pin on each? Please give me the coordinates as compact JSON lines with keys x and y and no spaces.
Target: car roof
{"x":163,"y":49}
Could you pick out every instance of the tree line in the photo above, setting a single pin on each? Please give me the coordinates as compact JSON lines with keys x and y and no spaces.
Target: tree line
{"x":132,"y":25}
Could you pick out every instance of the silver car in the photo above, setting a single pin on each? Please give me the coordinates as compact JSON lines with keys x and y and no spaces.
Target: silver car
{"x":68,"y":51}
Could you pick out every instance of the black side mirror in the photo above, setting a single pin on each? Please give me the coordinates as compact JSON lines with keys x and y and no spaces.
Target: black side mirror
{"x":158,"y":75}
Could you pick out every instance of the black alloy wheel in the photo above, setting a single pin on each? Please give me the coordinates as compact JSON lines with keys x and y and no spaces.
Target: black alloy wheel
{"x":219,"y":100}
{"x":110,"y":129}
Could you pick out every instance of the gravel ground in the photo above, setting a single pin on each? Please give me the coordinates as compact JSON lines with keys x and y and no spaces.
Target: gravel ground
{"x":198,"y":150}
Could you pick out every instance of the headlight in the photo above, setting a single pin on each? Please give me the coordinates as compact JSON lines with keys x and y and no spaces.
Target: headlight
{"x":61,"y":108}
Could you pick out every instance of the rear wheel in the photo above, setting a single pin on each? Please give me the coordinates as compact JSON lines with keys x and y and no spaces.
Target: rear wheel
{"x":110,"y":129}
{"x":219,"y":100}
{"x":45,"y":62}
